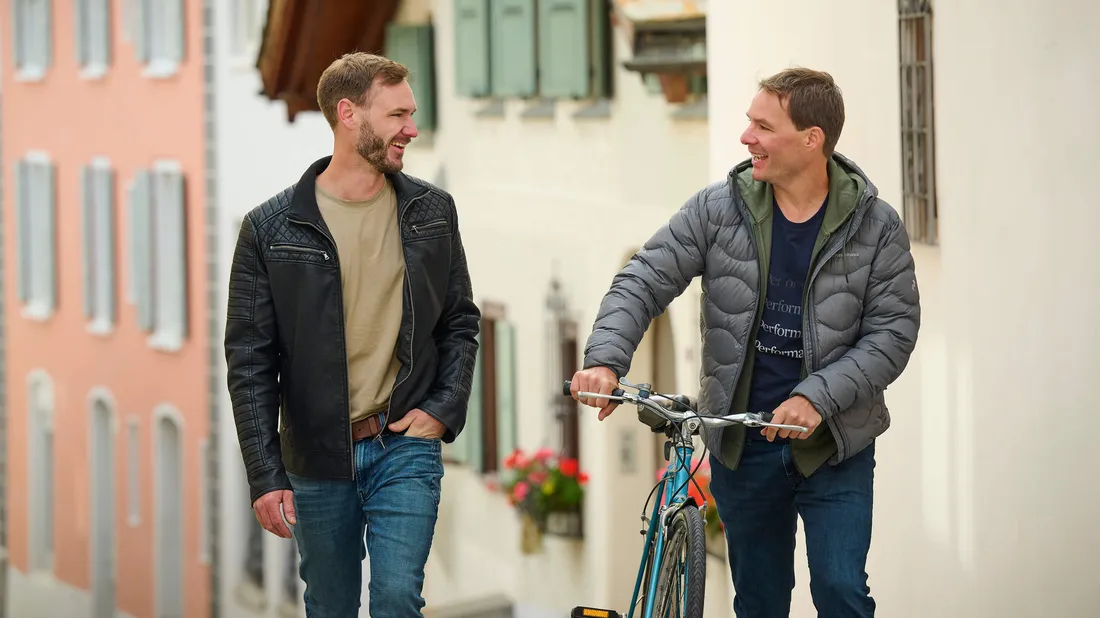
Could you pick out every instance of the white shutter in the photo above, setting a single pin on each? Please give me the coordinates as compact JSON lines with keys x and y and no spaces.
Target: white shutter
{"x":19,"y":32}
{"x":141,"y":249}
{"x":105,"y":254}
{"x":81,"y":19}
{"x":24,"y":239}
{"x":140,"y":34}
{"x":47,"y":269}
{"x":174,"y":216}
{"x":177,"y":24}
{"x":506,"y":389}
{"x":88,"y":226}
{"x":45,"y":34}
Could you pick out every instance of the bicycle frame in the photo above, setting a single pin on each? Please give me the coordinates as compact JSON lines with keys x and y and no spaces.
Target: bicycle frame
{"x":677,"y":473}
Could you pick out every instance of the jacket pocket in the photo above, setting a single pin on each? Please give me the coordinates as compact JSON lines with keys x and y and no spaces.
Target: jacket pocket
{"x":429,"y":229}
{"x":288,"y":248}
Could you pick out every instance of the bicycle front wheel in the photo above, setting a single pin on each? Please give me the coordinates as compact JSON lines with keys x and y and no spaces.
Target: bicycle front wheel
{"x":683,"y":576}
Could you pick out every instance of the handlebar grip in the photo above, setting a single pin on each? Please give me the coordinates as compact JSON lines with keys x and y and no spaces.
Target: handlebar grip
{"x":766,"y":417}
{"x":567,"y":385}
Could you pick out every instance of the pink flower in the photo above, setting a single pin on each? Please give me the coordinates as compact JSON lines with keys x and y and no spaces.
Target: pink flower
{"x":544,"y":454}
{"x":520,"y":491}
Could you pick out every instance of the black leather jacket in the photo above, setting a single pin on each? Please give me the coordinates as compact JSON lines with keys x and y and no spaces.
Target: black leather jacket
{"x":284,"y":331}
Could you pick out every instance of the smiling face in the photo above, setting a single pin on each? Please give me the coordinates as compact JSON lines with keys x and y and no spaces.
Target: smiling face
{"x":779,"y":149}
{"x":385,"y":126}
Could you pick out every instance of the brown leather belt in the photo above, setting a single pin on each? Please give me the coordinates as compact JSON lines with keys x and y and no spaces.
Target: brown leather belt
{"x":368,"y":427}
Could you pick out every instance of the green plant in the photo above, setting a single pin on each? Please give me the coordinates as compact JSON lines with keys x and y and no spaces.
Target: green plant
{"x":543,"y":483}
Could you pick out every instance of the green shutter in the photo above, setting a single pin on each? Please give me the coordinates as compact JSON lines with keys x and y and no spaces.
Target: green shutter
{"x":514,"y":59}
{"x":472,"y":48}
{"x":564,"y":55}
{"x":506,"y":390}
{"x":466,"y":448}
{"x":412,"y":46}
{"x":105,"y":193}
{"x":49,"y":264}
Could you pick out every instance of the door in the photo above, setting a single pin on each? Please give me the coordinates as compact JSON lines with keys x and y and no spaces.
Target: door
{"x":169,"y":520}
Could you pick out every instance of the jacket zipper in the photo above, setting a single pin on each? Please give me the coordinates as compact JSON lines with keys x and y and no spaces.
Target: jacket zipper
{"x":343,"y":343}
{"x":807,"y":317}
{"x":754,"y":325}
{"x":412,"y":311}
{"x":301,"y":249}
{"x":427,"y":226}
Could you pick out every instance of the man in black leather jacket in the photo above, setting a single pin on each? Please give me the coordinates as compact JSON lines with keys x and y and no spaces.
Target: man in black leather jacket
{"x":350,"y":341}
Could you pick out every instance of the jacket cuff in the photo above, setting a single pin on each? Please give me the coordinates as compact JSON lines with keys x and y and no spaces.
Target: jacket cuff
{"x":267,"y":481}
{"x":813,"y":389}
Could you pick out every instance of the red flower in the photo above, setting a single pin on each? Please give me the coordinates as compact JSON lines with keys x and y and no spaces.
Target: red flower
{"x":543,"y":454}
{"x":582,"y":478}
{"x":569,"y":467}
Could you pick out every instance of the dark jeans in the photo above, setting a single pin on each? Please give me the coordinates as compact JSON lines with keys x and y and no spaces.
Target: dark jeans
{"x":759,"y":504}
{"x":395,"y":498}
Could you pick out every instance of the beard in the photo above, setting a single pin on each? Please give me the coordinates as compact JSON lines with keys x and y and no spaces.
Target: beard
{"x":375,"y":151}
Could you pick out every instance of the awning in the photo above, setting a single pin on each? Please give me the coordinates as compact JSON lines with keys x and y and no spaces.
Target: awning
{"x":302,"y":37}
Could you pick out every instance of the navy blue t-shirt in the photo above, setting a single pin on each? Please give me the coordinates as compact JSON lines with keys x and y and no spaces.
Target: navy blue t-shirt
{"x":777,"y":368}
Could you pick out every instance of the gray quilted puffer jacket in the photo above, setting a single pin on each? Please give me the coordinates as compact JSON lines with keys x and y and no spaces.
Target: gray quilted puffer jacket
{"x":861,"y":311}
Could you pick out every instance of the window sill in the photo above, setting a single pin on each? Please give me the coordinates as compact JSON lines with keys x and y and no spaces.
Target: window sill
{"x":165,"y":341}
{"x":93,"y":72}
{"x":101,"y":327}
{"x":30,"y":74}
{"x":37,"y":311}
{"x":161,"y":68}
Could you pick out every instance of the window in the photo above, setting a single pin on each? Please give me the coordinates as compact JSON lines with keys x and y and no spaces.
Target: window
{"x":98,"y":219}
{"x":412,"y":46}
{"x":158,"y":253}
{"x":159,"y":35}
{"x":248,"y":25}
{"x":40,"y":400}
{"x":93,"y":36}
{"x":103,"y":540}
{"x":32,"y":37}
{"x":511,"y":48}
{"x":918,"y":152}
{"x":490,"y":432}
{"x":36,"y":250}
{"x":562,"y":360}
{"x":170,"y":514}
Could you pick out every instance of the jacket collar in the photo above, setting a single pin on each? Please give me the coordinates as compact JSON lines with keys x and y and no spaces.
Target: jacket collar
{"x":848,"y":188}
{"x":303,"y":204}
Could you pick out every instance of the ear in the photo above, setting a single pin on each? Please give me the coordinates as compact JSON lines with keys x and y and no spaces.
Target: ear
{"x":815,"y":138}
{"x":345,"y":112}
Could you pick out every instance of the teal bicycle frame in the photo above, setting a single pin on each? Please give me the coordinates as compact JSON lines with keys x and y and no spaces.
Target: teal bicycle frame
{"x":677,"y":420}
{"x":672,"y":494}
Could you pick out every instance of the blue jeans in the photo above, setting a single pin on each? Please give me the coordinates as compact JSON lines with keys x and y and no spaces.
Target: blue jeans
{"x":395,"y":498}
{"x":759,"y":505}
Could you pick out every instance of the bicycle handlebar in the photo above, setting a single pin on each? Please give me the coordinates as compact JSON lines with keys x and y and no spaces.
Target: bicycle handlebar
{"x":679,"y":409}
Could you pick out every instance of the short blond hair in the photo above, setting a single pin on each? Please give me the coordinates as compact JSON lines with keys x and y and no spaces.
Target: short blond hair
{"x":351,"y":76}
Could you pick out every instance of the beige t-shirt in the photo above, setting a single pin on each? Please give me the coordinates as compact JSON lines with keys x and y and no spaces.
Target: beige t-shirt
{"x":372,"y":272}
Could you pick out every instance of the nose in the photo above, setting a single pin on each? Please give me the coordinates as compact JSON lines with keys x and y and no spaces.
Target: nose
{"x":748,"y":138}
{"x":410,"y":128}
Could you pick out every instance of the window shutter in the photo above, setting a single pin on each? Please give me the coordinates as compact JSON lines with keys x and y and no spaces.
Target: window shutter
{"x":81,"y":17}
{"x":45,"y":38}
{"x":48,"y":266}
{"x":176,"y":221}
{"x":23,"y":231}
{"x":472,"y":62}
{"x":18,"y":33}
{"x":89,"y":227}
{"x":105,"y":216}
{"x":140,"y":34}
{"x":412,"y":46}
{"x":506,"y":389}
{"x":141,"y":249}
{"x":470,"y":449}
{"x":563,"y":48}
{"x":513,"y":48}
{"x":177,"y":17}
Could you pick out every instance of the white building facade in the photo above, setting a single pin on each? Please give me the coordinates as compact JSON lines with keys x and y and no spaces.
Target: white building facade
{"x":983,"y":506}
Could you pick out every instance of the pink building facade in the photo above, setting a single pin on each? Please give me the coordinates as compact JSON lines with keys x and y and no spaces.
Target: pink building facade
{"x":106,"y":346}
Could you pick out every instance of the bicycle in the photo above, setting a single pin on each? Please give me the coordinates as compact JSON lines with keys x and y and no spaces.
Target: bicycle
{"x":674,"y":556}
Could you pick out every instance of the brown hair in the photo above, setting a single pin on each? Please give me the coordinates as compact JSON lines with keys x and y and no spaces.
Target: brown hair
{"x":351,"y":76}
{"x":812,"y":99}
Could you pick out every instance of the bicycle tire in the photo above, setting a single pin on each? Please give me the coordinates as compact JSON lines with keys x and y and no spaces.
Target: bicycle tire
{"x":685,"y":543}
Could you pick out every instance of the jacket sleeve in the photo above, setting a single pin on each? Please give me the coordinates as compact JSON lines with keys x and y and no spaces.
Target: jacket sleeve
{"x":888,"y":332}
{"x":252,"y":359}
{"x":456,"y":337}
{"x":659,"y":272}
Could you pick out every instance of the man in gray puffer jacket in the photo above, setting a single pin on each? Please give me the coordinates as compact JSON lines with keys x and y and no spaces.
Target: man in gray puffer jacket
{"x":810,"y":310}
